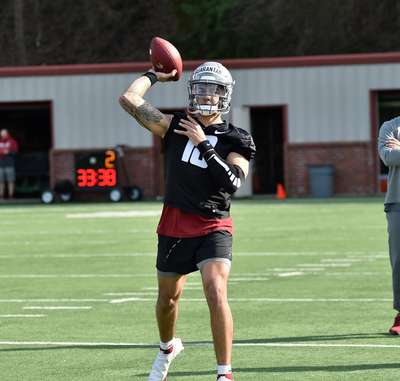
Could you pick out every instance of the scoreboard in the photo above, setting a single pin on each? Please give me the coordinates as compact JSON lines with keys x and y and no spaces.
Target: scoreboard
{"x":96,"y":169}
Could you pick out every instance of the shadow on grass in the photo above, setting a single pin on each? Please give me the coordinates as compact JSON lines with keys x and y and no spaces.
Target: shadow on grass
{"x":313,"y":339}
{"x":265,"y":369}
{"x":293,"y":369}
{"x":50,"y":347}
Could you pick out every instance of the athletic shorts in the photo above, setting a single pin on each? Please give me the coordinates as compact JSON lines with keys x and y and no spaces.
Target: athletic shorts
{"x":181,"y":256}
{"x":7,"y":174}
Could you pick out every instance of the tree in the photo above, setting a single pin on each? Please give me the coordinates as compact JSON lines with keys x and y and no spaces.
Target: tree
{"x":19,"y":32}
{"x":54,"y":32}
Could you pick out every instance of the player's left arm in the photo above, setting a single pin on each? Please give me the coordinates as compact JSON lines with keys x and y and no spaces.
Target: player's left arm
{"x":229,"y":173}
{"x":240,"y":161}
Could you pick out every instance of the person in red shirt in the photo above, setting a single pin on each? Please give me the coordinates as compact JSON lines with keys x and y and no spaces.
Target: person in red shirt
{"x":8,"y":150}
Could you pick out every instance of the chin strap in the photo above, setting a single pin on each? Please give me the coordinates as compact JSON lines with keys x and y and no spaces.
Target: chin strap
{"x":229,"y":176}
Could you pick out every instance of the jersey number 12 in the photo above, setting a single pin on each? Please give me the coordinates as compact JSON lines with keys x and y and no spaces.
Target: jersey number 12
{"x":192,"y":155}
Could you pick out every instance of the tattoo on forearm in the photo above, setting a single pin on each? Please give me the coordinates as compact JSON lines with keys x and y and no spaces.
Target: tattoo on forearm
{"x":146,"y":114}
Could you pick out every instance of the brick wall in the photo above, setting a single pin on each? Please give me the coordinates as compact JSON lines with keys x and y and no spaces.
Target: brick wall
{"x":354,"y":165}
{"x":139,"y":167}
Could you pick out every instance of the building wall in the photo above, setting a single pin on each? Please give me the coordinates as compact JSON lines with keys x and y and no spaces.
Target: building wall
{"x":327,"y":101}
{"x":353,"y":162}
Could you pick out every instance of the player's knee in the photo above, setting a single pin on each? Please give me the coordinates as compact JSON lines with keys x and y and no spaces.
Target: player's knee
{"x":215,"y":295}
{"x":166,"y":301}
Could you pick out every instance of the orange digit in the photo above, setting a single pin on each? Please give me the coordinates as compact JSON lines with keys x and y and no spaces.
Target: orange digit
{"x":109,"y":160}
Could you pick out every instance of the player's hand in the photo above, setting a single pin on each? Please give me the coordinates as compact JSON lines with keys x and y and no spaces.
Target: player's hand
{"x":163,"y":77}
{"x":193,"y":130}
{"x":392,"y":143}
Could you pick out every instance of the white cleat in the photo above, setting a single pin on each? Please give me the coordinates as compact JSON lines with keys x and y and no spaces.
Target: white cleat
{"x":163,"y":361}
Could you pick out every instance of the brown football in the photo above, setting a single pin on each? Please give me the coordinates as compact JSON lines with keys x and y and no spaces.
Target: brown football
{"x":165,"y":57}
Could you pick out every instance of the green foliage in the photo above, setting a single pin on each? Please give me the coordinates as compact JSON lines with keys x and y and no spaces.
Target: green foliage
{"x":203,"y":27}
{"x":48,"y":32}
{"x":272,"y":28}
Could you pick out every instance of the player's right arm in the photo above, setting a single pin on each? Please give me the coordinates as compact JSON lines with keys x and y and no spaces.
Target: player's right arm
{"x":146,"y":115}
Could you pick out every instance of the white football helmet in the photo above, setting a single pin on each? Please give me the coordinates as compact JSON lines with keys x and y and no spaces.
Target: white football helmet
{"x":210,"y":79}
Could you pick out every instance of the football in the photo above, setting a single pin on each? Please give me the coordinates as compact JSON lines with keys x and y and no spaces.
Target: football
{"x":165,"y":57}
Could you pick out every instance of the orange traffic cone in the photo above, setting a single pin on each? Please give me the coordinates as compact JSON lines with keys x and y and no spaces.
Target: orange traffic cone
{"x":280,"y":192}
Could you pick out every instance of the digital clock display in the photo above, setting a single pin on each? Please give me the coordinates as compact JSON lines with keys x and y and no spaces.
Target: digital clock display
{"x":95,"y":169}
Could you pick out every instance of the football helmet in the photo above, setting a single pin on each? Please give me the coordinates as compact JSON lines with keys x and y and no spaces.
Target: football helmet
{"x":211,"y":79}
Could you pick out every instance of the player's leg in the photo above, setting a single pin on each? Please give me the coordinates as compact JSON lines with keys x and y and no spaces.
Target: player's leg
{"x":215,"y":279}
{"x":171,"y":258}
{"x":2,"y":180}
{"x":393,"y":219}
{"x":214,"y":261}
{"x":169,"y":292}
{"x":11,"y":181}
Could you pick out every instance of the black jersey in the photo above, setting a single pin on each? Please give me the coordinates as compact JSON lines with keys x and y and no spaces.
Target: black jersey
{"x":190,"y":186}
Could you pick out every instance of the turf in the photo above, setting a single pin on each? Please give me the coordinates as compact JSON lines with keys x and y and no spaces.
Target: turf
{"x":310,"y":292}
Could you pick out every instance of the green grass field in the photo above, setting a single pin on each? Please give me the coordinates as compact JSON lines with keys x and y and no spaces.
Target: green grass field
{"x":310,"y":292}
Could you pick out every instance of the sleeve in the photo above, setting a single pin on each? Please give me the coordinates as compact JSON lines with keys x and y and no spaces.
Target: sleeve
{"x":14,"y":146}
{"x":389,"y":156}
{"x":230,"y":177}
{"x":244,"y":144}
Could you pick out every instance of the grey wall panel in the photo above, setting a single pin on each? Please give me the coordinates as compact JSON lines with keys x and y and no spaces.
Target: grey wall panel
{"x":324,"y":103}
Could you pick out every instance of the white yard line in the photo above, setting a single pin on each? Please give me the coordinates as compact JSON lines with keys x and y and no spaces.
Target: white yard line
{"x":234,"y":277}
{"x":21,"y":316}
{"x":95,"y":242}
{"x":195,"y":300}
{"x":268,"y":300}
{"x":84,"y":344}
{"x":311,"y":253}
{"x":56,"y":308}
{"x":74,"y":232}
{"x":112,"y":214}
{"x":131,"y":293}
{"x":77,"y":255}
{"x":53,"y":300}
{"x":78,"y":276}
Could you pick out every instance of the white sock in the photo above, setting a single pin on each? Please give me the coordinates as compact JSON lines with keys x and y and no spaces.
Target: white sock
{"x":165,"y":346}
{"x":224,"y":369}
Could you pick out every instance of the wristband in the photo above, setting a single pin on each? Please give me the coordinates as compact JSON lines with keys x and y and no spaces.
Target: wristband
{"x":204,"y":147}
{"x":153,"y":78}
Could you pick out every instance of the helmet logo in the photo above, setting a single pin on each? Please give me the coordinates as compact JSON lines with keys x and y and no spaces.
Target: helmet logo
{"x":208,"y":68}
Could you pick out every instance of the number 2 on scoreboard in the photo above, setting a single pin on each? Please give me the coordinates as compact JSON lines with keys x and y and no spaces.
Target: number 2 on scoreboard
{"x":109,"y":162}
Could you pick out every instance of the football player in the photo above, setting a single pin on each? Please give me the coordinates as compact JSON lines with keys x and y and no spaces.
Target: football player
{"x":206,"y":161}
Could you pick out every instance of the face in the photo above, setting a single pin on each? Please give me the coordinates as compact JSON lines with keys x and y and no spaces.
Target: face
{"x":3,"y":133}
{"x":208,"y":93}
